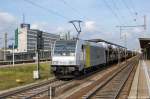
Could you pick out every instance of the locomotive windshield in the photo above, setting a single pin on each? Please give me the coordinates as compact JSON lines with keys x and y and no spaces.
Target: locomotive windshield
{"x":65,"y":48}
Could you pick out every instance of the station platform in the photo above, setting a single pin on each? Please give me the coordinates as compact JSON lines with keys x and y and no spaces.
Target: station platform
{"x":140,"y":88}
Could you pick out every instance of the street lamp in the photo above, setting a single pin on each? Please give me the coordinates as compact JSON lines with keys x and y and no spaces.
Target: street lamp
{"x":125,"y":44}
{"x":13,"y":51}
{"x":13,"y":56}
{"x":118,"y":56}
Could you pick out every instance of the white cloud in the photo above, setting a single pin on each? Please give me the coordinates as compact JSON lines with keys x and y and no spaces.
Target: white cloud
{"x":60,"y":29}
{"x":90,"y":30}
{"x":7,"y":17}
{"x":40,"y":26}
{"x":90,"y":26}
{"x":8,"y":24}
{"x":35,"y":26}
{"x":44,"y":26}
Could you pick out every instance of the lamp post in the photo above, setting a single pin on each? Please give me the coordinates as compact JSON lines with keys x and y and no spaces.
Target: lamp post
{"x":13,"y":51}
{"x":125,"y":40}
{"x":118,"y":56}
{"x":50,"y":48}
{"x":125,"y":44}
{"x":13,"y":55}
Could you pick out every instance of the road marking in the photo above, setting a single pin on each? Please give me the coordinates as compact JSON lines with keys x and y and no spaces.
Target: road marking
{"x":147,"y":75}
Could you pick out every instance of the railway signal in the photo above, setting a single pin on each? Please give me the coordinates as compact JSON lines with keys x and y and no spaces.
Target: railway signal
{"x":39,"y":46}
{"x":40,"y":42}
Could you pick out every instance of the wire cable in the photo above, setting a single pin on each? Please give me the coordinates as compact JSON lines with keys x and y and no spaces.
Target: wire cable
{"x":72,"y":8}
{"x":112,"y":11}
{"x":116,"y":7}
{"x":130,"y":11}
{"x":67,"y":4}
{"x":46,"y":9}
{"x":133,"y":6}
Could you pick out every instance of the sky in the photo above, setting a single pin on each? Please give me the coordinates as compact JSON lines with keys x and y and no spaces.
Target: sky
{"x":100,"y":18}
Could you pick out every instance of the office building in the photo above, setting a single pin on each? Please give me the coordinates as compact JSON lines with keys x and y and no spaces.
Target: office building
{"x":26,"y":39}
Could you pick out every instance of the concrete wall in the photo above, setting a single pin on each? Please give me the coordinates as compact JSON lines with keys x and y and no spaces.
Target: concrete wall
{"x":22,"y":40}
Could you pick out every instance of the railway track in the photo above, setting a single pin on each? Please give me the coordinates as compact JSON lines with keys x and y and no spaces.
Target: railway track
{"x":42,"y":89}
{"x":32,"y":90}
{"x":112,"y":86}
{"x":88,"y":83}
{"x":62,"y":89}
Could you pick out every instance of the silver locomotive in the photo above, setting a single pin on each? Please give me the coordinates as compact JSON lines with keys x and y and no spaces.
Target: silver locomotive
{"x":74,"y":57}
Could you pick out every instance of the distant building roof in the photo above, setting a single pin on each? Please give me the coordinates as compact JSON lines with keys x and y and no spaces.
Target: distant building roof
{"x":144,"y":42}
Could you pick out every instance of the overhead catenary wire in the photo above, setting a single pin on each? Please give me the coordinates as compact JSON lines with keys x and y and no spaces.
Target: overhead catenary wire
{"x":73,"y":9}
{"x":62,"y":16}
{"x":133,"y":7}
{"x":76,"y":10}
{"x":46,"y":9}
{"x":116,"y":7}
{"x":112,"y":11}
{"x":49,"y":10}
{"x":130,"y":11}
{"x":67,"y":4}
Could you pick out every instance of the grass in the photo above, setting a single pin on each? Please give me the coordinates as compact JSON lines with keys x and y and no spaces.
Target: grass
{"x":9,"y":75}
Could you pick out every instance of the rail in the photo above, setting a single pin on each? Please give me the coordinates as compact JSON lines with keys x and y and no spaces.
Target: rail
{"x":25,"y":88}
{"x":117,"y":82}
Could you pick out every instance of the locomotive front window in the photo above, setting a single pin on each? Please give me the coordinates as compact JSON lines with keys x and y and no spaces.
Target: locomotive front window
{"x":65,"y":48}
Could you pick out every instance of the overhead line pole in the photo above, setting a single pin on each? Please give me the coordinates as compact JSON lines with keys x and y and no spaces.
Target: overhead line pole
{"x":13,"y":54}
{"x":128,"y":26}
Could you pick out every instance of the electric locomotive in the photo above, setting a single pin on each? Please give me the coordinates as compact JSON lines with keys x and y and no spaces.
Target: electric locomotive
{"x":73,"y":57}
